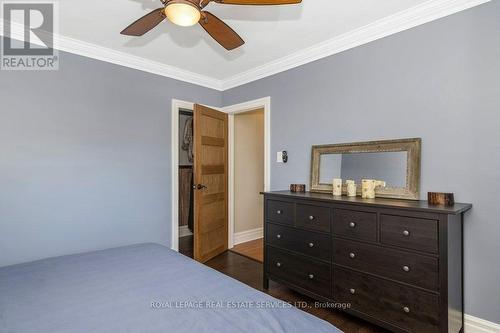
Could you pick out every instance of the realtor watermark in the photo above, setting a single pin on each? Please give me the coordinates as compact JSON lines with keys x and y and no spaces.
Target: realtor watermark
{"x":28,"y":41}
{"x":276,"y":304}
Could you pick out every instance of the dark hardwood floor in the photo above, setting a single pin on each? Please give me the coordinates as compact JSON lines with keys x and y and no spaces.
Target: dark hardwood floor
{"x":249,"y":272}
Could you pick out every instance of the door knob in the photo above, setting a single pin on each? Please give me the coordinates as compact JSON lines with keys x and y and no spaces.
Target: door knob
{"x":199,"y":187}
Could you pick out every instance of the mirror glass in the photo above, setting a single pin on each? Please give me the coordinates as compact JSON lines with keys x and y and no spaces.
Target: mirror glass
{"x":395,"y":162}
{"x":390,"y":167}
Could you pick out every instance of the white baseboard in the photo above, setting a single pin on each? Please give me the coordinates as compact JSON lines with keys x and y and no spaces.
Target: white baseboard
{"x":478,"y":325}
{"x":249,"y":235}
{"x":184,"y":231}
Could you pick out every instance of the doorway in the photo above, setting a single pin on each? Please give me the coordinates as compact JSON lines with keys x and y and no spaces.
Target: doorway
{"x":200,"y":148}
{"x":231,"y":111}
{"x":248,"y":166}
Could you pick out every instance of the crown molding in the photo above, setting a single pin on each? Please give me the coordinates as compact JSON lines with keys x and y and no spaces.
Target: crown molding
{"x":412,"y":17}
{"x":426,"y":12}
{"x":93,"y":51}
{"x":135,"y":62}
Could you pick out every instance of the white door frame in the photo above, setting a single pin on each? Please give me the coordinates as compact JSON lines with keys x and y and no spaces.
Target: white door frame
{"x":232,"y":110}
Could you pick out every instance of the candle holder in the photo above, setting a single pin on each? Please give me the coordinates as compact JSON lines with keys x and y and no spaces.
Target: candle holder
{"x":337,"y":187}
{"x":297,"y":187}
{"x":351,"y":188}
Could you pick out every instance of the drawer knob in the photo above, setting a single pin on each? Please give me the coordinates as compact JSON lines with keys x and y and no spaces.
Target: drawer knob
{"x":279,"y":212}
{"x":352,"y":255}
{"x":352,"y":225}
{"x":311,"y":217}
{"x":406,"y":309}
{"x":311,"y":276}
{"x":278,"y":264}
{"x":352,"y":291}
{"x":406,"y":233}
{"x":278,"y":236}
{"x":406,"y":268}
{"x":311,"y":244}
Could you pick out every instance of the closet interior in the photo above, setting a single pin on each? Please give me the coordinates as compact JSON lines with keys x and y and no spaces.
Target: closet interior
{"x":186,"y":175}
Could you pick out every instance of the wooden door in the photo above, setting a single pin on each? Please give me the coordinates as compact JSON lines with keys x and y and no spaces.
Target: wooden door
{"x":210,"y":181}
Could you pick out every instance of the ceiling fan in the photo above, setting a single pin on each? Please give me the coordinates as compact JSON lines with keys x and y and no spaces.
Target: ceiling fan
{"x":187,"y":13}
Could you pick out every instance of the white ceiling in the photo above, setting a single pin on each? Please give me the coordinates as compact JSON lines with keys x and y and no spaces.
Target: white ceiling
{"x":270,"y":32}
{"x":277,"y":37}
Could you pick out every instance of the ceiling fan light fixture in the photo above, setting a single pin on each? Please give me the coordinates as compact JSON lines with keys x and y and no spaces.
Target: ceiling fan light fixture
{"x":182,"y":13}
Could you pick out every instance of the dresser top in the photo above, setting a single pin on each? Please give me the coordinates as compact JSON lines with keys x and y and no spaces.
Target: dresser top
{"x":378,"y":202}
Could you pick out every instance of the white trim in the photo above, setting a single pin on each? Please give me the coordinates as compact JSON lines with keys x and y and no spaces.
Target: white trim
{"x":478,"y":325}
{"x":184,"y":231}
{"x":426,"y":12}
{"x":176,"y":106}
{"x":232,"y":110}
{"x":230,"y":186}
{"x":94,"y":51}
{"x":249,"y":235}
{"x":412,"y":17}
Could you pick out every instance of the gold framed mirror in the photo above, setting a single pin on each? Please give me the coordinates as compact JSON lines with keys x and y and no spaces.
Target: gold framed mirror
{"x":396,"y":162}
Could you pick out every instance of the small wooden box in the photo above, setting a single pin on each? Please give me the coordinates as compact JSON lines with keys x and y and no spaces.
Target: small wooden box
{"x":297,"y":188}
{"x":442,"y":199}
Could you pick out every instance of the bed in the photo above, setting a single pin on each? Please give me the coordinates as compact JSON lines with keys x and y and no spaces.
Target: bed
{"x":138,"y":288}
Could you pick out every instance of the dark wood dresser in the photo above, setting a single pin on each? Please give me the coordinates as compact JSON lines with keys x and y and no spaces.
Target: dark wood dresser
{"x":396,"y":263}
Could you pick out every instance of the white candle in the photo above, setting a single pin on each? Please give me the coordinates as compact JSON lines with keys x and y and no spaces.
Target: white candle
{"x":368,"y":188}
{"x":351,"y":188}
{"x":337,"y":187}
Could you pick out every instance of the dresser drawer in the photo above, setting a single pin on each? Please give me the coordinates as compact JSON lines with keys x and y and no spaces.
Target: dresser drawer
{"x":300,"y":271}
{"x":306,"y":242}
{"x":280,"y":211}
{"x":419,"y":270}
{"x":409,"y":232}
{"x":313,"y":217}
{"x":408,"y":308}
{"x":354,"y":224}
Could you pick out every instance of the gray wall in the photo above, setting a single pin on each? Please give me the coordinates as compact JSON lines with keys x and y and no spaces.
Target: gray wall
{"x":440,"y":82}
{"x":85,"y":151}
{"x":85,"y":158}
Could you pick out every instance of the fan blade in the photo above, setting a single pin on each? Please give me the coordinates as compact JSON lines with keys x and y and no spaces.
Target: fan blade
{"x":220,"y":31}
{"x":145,"y":23}
{"x":204,"y":3}
{"x":258,"y":2}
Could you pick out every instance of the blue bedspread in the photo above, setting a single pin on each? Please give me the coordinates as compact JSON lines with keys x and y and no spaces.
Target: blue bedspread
{"x":139,"y":288}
